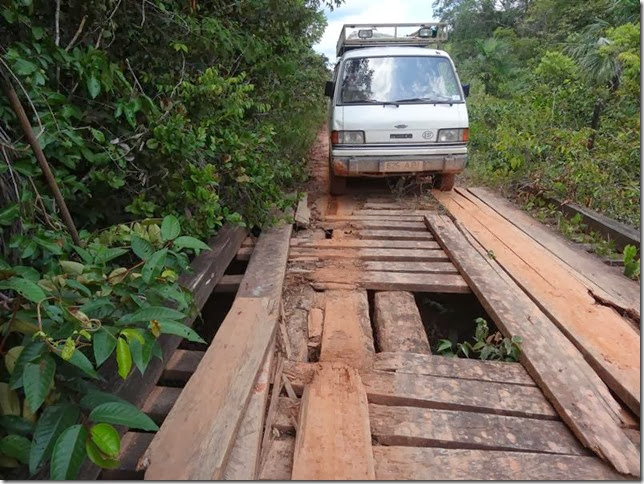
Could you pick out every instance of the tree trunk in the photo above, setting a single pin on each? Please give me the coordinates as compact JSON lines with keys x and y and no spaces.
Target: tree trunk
{"x":594,"y":122}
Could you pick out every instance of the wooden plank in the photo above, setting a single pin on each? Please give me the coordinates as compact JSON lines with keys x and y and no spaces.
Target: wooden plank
{"x":343,"y":243}
{"x":397,"y":323}
{"x":609,"y":342}
{"x":315,"y":324}
{"x":388,"y":266}
{"x":387,"y":213}
{"x":622,"y":291}
{"x":198,"y":434}
{"x":398,"y":255}
{"x":346,"y":333}
{"x":181,"y":366}
{"x":421,"y":427}
{"x":160,"y":401}
{"x":302,"y":213}
{"x":403,"y":389}
{"x":369,"y":234}
{"x":393,"y":281}
{"x":228,"y":283}
{"x":243,"y":463}
{"x":279,"y":461}
{"x":462,"y":368}
{"x":382,"y":206}
{"x":418,"y":463}
{"x":550,"y":358}
{"x":378,"y":218}
{"x":334,"y":440}
{"x":396,"y":224}
{"x":133,"y":446}
{"x":244,"y":253}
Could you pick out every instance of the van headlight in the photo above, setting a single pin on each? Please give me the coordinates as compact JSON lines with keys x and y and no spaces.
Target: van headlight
{"x":452,"y":135}
{"x":347,"y":137}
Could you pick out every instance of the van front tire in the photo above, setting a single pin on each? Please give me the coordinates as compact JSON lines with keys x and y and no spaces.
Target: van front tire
{"x":337,"y":184}
{"x":445,"y":182}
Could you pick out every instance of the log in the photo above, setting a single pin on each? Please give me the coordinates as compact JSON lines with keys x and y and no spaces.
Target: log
{"x":397,"y":323}
{"x":334,"y":440}
{"x":550,"y":358}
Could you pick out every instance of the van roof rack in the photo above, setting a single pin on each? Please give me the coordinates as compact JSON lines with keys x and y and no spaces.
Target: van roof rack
{"x":399,"y":35}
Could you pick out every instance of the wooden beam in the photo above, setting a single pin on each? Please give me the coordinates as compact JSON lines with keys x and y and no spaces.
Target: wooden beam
{"x":397,"y":255}
{"x":197,"y":437}
{"x":550,"y":358}
{"x":334,"y":440}
{"x":608,"y":342}
{"x":303,"y":213}
{"x":229,"y":283}
{"x":343,"y":243}
{"x":181,"y":366}
{"x":397,"y":323}
{"x":418,"y":463}
{"x":395,"y":224}
{"x":376,"y":218}
{"x":160,"y":401}
{"x":461,"y":368}
{"x":367,"y":234}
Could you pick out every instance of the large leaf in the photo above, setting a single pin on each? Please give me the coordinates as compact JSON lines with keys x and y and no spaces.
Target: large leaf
{"x":9,"y":214}
{"x":123,"y":358}
{"x":106,"y":255}
{"x":106,"y":439}
{"x":16,"y":425}
{"x":68,"y":453}
{"x":37,"y":380}
{"x":52,"y":247}
{"x":93,"y":86}
{"x":98,"y":458}
{"x":103,"y":343}
{"x":142,"y":352}
{"x":170,"y":228}
{"x":16,"y":446}
{"x":142,"y":248}
{"x":95,"y":398}
{"x":31,"y":352}
{"x":25,"y":288}
{"x":152,"y":312}
{"x":180,"y":329}
{"x":153,"y":265}
{"x":120,"y":413}
{"x":185,"y":242}
{"x":81,"y":361}
{"x":53,"y":421}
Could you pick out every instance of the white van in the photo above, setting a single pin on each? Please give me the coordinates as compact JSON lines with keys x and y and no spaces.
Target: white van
{"x":397,"y":106}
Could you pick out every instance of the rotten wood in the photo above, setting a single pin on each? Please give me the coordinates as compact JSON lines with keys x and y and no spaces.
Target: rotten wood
{"x":397,"y":323}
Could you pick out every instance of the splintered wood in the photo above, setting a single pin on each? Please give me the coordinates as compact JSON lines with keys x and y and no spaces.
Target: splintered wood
{"x":334,"y":441}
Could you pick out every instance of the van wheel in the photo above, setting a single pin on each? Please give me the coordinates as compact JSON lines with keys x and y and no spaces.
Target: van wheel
{"x":445,"y":182}
{"x":337,"y":184}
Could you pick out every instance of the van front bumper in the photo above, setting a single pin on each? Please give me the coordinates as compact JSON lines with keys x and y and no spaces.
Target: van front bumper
{"x":397,"y":161}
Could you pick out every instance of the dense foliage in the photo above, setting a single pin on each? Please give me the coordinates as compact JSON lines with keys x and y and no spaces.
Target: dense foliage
{"x":161,"y":120}
{"x":555,"y":101}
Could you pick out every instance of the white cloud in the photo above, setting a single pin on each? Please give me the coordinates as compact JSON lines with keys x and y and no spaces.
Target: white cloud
{"x":368,"y":11}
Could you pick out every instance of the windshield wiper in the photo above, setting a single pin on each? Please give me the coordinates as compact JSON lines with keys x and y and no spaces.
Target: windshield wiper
{"x":374,"y":101}
{"x":425,"y":99}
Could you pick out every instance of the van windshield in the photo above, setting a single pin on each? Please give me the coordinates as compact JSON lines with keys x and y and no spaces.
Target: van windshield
{"x":403,"y":79}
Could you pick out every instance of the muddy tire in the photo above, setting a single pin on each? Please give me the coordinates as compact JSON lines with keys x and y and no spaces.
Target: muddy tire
{"x":337,"y":184}
{"x":445,"y":182}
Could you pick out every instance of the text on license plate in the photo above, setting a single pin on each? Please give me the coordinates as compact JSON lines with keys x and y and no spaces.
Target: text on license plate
{"x":401,"y":166}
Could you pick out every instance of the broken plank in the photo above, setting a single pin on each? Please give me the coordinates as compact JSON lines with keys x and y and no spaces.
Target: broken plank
{"x":228,"y":283}
{"x":346,"y":332}
{"x":624,"y":292}
{"x":393,"y":281}
{"x":196,"y":438}
{"x":334,"y":440}
{"x":399,"y":255}
{"x":159,"y":403}
{"x":462,"y":368}
{"x":181,"y":366}
{"x":422,"y":463}
{"x":551,"y":359}
{"x":368,"y":234}
{"x":608,"y":342}
{"x":243,"y":463}
{"x":342,"y":243}
{"x":421,"y":427}
{"x":397,"y":323}
{"x":402,"y":389}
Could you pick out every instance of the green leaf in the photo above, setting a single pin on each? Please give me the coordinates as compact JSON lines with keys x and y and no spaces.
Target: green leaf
{"x":444,"y":344}
{"x":120,"y":413}
{"x":81,"y":361}
{"x":93,"y":86}
{"x":106,"y":255}
{"x":185,"y":242}
{"x":141,"y":247}
{"x":152,"y":312}
{"x":68,"y":453}
{"x":25,"y":288}
{"x":94,"y":398}
{"x":103,"y":345}
{"x":170,"y":228}
{"x":23,"y":67}
{"x":71,"y":267}
{"x":123,"y":358}
{"x":52,"y":247}
{"x":9,"y":214}
{"x":30,"y":353}
{"x":98,"y":135}
{"x":98,"y":458}
{"x":106,"y":439}
{"x":180,"y":329}
{"x":16,"y":446}
{"x":53,"y":421}
{"x":132,"y":334}
{"x":153,"y":265}
{"x":74,"y":284}
{"x":142,"y":352}
{"x":16,"y":425}
{"x":38,"y":379}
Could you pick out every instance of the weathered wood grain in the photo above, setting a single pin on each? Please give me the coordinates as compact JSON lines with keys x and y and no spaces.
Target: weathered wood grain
{"x":397,"y":323}
{"x":160,"y":401}
{"x":400,"y":255}
{"x":344,"y":243}
{"x":369,"y":234}
{"x":181,"y":366}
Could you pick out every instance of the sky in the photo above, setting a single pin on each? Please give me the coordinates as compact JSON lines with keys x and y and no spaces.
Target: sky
{"x":370,"y":11}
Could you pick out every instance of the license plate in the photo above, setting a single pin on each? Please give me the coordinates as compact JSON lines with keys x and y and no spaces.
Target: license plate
{"x":401,"y":166}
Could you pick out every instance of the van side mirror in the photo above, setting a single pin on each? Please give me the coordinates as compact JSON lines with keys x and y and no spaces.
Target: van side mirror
{"x":329,"y":87}
{"x":466,"y":89}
